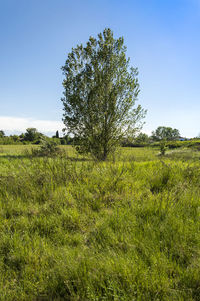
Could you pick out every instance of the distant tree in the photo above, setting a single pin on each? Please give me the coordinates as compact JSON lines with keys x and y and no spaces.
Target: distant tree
{"x":57,"y":134}
{"x":167,"y":133}
{"x":2,"y":134}
{"x":15,"y":138}
{"x":66,"y":140}
{"x":100,"y":90}
{"x":21,"y":137}
{"x":32,"y":135}
{"x":142,"y":138}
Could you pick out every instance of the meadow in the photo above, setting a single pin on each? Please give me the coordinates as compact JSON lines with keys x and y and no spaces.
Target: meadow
{"x":75,"y":229}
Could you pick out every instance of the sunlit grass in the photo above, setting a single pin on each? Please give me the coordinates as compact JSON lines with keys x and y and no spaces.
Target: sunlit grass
{"x":75,"y":229}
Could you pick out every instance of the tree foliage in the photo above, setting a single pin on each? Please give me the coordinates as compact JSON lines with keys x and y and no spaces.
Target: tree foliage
{"x":142,"y":138}
{"x":57,"y":134}
{"x":2,"y":134}
{"x":100,"y":90}
{"x":48,"y":147}
{"x":167,"y":133}
{"x":32,"y":135}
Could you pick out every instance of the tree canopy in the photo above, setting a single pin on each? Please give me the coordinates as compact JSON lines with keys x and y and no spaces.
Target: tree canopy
{"x":2,"y":134}
{"x":163,"y":132}
{"x":32,"y":134}
{"x":100,"y":91}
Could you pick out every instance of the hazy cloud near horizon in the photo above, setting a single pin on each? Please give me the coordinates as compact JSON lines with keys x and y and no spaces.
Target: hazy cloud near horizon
{"x":16,"y":124}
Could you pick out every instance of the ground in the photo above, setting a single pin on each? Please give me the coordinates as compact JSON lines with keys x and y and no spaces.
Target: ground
{"x":75,"y":229}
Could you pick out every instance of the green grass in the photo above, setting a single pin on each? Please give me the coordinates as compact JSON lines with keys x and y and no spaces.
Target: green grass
{"x":74,"y":229}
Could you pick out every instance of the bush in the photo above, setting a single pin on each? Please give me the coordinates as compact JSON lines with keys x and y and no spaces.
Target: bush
{"x":47,"y":148}
{"x":163,"y":147}
{"x":172,"y":145}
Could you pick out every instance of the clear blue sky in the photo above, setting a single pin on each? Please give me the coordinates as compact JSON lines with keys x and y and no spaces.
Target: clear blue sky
{"x":162,"y":39}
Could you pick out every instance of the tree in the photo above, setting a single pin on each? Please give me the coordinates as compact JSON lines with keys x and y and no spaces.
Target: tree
{"x":32,"y":135}
{"x":142,"y":138}
{"x":100,"y":90}
{"x":57,"y":134}
{"x":2,"y":134}
{"x":15,"y":138}
{"x":163,"y":132}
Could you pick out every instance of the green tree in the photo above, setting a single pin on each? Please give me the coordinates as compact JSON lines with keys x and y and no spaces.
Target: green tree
{"x":100,"y":90}
{"x":57,"y":134}
{"x":142,"y":138}
{"x":2,"y":134}
{"x":32,"y":135}
{"x":167,"y":133}
{"x":15,"y":138}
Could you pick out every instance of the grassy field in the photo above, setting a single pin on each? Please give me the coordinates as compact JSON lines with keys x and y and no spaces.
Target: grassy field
{"x":74,"y":229}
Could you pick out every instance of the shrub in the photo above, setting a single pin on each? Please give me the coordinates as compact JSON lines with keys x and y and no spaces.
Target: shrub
{"x":47,"y":148}
{"x":163,"y":147}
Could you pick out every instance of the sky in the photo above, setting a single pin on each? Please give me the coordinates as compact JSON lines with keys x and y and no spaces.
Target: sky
{"x":162,"y":39}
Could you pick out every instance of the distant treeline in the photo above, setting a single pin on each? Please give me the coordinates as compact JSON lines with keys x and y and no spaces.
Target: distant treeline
{"x":170,"y":136}
{"x":194,"y":142}
{"x":32,"y":136}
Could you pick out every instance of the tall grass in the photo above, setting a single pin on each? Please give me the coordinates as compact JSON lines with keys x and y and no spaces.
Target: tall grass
{"x":74,"y":229}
